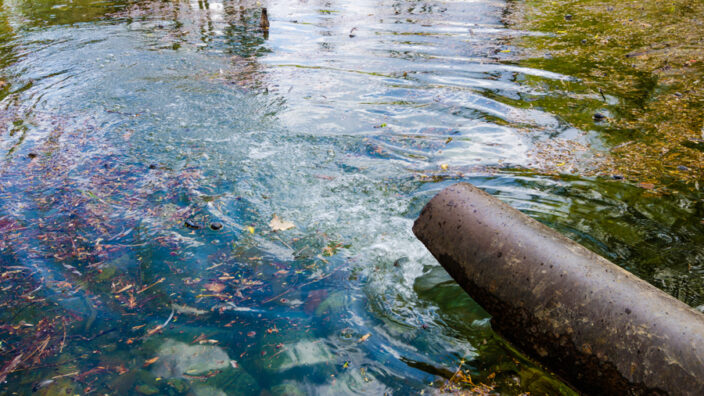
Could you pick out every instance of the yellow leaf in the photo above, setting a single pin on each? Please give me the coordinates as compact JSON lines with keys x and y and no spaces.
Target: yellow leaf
{"x":250,"y":229}
{"x":277,"y":224}
{"x":444,"y":167}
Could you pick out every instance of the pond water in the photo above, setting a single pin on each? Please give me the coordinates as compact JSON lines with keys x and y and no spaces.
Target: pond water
{"x":147,"y":146}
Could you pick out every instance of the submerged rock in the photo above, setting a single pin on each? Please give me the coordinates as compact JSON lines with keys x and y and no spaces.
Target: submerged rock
{"x":301,"y":354}
{"x":355,"y":382}
{"x":61,"y":387}
{"x":334,"y":303}
{"x":180,"y":385}
{"x":287,"y":389}
{"x":177,"y":359}
{"x":203,"y":390}
{"x":208,"y":363}
{"x":146,"y":389}
{"x":110,"y":268}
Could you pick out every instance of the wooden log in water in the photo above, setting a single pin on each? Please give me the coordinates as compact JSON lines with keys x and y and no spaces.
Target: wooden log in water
{"x":602,"y":329}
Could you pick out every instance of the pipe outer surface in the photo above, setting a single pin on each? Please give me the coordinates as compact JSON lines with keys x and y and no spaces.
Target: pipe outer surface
{"x":596,"y":325}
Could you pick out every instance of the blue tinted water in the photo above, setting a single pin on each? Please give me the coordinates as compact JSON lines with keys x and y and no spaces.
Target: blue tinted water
{"x":130,"y":127}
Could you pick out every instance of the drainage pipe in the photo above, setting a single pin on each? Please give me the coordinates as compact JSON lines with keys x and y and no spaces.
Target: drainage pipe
{"x":602,"y":329}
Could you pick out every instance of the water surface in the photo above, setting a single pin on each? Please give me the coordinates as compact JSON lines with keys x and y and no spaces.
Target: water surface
{"x":129,"y":128}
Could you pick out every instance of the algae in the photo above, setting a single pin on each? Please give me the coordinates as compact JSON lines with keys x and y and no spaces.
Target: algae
{"x":639,"y":70}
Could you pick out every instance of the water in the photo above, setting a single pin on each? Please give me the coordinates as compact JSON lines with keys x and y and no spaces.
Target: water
{"x":123,"y":121}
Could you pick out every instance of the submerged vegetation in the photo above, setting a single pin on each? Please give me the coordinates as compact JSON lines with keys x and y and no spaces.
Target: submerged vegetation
{"x":640,"y":70}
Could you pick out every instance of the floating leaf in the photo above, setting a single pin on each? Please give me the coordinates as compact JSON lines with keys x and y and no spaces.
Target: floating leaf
{"x":365,"y":337}
{"x":277,"y":224}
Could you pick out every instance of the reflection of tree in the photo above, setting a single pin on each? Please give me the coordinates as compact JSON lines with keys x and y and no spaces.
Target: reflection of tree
{"x":227,"y":27}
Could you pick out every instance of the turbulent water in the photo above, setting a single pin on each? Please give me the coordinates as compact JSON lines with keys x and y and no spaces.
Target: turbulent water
{"x":147,"y":146}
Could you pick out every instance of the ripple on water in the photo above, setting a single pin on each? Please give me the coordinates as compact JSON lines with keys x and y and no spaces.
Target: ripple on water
{"x":344,"y":121}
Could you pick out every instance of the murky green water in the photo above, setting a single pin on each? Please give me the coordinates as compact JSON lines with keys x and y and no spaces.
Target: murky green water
{"x":124,"y":122}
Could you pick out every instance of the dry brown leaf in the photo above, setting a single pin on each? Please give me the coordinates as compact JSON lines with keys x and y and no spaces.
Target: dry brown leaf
{"x":200,"y":338}
{"x":121,"y":369}
{"x":277,"y":224}
{"x":214,"y":287}
{"x":132,"y":302}
{"x":154,"y":330}
{"x":151,"y":361}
